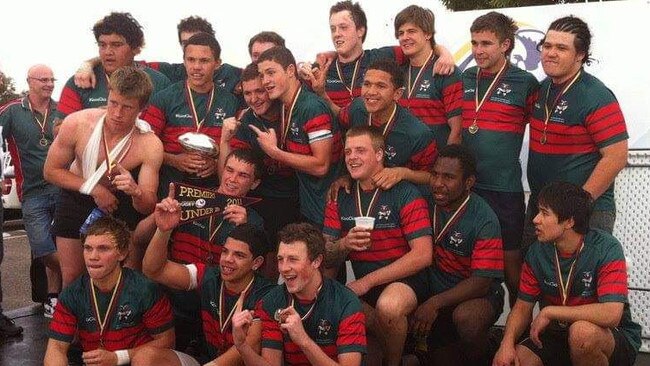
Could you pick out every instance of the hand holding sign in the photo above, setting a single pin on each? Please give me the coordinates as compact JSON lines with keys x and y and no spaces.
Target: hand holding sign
{"x":168,"y":212}
{"x":197,"y":203}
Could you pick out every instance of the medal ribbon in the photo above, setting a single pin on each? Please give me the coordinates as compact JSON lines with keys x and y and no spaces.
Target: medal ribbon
{"x":370,"y":205}
{"x":354,"y":74}
{"x":286,"y":123}
{"x":417,"y":77}
{"x":452,"y":220}
{"x":490,"y":89}
{"x":311,"y":309}
{"x":109,"y":311}
{"x":40,"y":124}
{"x":564,"y":289}
{"x":122,"y":154}
{"x":190,"y":101}
{"x":388,"y":124}
{"x":548,"y":111}
{"x":240,"y":302}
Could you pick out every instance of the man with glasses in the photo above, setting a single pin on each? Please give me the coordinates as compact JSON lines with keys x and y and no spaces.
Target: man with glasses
{"x":119,"y":38}
{"x":115,"y":311}
{"x":27,"y":124}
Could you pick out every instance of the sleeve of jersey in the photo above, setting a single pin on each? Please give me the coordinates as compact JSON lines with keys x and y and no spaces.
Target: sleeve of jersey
{"x":64,"y":324}
{"x":612,"y":276}
{"x":332,"y":224}
{"x":487,"y":256}
{"x":352,"y":330}
{"x":606,"y":125}
{"x":70,"y":100}
{"x":426,"y":152}
{"x":200,"y":275}
{"x":159,"y":317}
{"x":528,"y":285}
{"x":530,"y":101}
{"x":271,"y":333}
{"x":344,"y":117}
{"x":154,"y":114}
{"x":414,"y":216}
{"x":319,"y":127}
{"x":452,"y":94}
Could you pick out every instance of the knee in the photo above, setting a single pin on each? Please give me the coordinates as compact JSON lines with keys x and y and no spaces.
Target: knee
{"x":582,"y":337}
{"x":391,"y":309}
{"x":468,"y":325}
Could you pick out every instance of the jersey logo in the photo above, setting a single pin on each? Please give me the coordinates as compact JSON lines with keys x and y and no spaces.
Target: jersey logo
{"x":98,"y":99}
{"x":384,"y":212}
{"x":90,"y":320}
{"x":426,"y":84}
{"x":219,"y":114}
{"x":324,"y":328}
{"x":504,"y":89}
{"x":294,"y":129}
{"x":125,"y":313}
{"x":550,"y":283}
{"x":390,"y":152}
{"x":561,"y":106}
{"x":456,"y":239}
{"x":587,"y":277}
{"x":220,"y":83}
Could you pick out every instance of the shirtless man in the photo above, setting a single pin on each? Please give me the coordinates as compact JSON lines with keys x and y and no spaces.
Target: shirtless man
{"x":77,"y":162}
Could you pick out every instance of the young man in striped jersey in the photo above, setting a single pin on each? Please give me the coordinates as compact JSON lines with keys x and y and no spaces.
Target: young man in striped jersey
{"x":388,"y":259}
{"x":464,"y":293}
{"x":579,"y":277}
{"x":577,"y":128}
{"x":309,"y":319}
{"x":498,"y":100}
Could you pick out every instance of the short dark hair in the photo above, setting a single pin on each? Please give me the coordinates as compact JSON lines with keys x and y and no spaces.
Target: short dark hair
{"x":265,"y":37}
{"x":108,"y":225}
{"x":500,"y":24}
{"x":250,"y":157}
{"x":131,"y":82}
{"x":250,"y":72}
{"x":376,"y":137}
{"x":422,"y":18}
{"x":204,"y":39}
{"x":306,"y":233}
{"x":391,"y":67}
{"x":123,"y":24}
{"x":464,"y":156}
{"x":577,"y":27}
{"x":256,"y":239}
{"x":568,"y":200}
{"x":357,"y":13}
{"x":194,"y":24}
{"x":279,"y":54}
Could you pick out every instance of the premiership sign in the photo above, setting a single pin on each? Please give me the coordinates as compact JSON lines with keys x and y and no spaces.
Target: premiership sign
{"x":197,"y":202}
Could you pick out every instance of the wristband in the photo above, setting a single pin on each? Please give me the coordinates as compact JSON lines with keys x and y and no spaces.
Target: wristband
{"x":123,"y":357}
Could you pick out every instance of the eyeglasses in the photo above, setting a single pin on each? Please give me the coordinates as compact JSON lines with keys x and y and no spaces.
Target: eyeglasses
{"x":44,"y":80}
{"x":102,"y":249}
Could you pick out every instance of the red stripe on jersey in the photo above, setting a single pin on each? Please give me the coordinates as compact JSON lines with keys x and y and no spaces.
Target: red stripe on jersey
{"x":124,"y":338}
{"x":70,"y":101}
{"x":212,"y":330}
{"x":423,"y":160}
{"x":352,"y":330}
{"x":414,"y":216}
{"x":270,"y":327}
{"x":612,"y":279}
{"x":452,"y":96}
{"x":156,"y":118}
{"x":294,"y":355}
{"x":236,"y":143}
{"x":606,"y":122}
{"x":152,"y":65}
{"x":429,"y":111}
{"x":451,"y":263}
{"x":6,"y":106}
{"x":495,"y":117}
{"x":298,"y":148}
{"x":332,"y":220}
{"x":342,"y":97}
{"x":560,"y":139}
{"x":188,"y":248}
{"x":528,"y":283}
{"x":319,"y":123}
{"x":344,"y":117}
{"x":488,"y":255}
{"x":64,"y":321}
{"x":159,"y":315}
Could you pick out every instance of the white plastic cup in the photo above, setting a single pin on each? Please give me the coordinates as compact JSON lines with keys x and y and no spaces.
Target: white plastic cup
{"x":366,"y":222}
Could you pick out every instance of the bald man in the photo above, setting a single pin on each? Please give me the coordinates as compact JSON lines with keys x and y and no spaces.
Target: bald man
{"x":27,"y":126}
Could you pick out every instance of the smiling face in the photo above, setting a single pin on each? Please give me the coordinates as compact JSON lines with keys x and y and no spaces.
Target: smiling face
{"x":256,"y":96}
{"x":488,"y":51}
{"x":379,"y":92}
{"x":448,"y":185}
{"x":238,"y":178}
{"x":361,"y":159}
{"x":114,"y":52}
{"x":199,"y":64}
{"x":346,"y":37}
{"x":413,"y":40}
{"x":237,"y":262}
{"x":560,"y":58}
{"x":276,"y":79}
{"x":102,"y":257}
{"x":298,"y":271}
{"x":41,"y":81}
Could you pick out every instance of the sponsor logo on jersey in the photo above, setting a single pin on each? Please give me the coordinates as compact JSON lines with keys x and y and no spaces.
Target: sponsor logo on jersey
{"x":186,"y":115}
{"x":98,"y":99}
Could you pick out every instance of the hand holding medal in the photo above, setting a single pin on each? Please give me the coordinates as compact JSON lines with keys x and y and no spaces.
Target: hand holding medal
{"x":291,"y":323}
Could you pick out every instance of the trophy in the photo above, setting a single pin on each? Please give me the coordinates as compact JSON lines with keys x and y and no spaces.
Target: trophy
{"x":200,"y":143}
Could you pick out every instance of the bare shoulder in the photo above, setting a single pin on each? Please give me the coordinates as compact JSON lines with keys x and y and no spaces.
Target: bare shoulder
{"x":150,"y":145}
{"x":83,"y":120}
